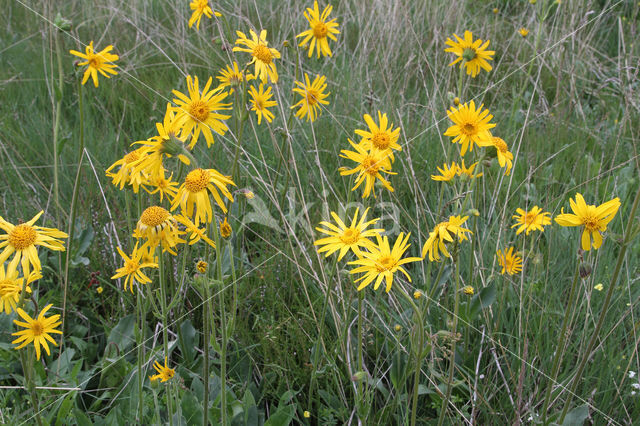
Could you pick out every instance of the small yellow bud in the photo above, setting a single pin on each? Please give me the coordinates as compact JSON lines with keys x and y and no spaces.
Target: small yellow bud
{"x":417,"y":294}
{"x":495,"y":10}
{"x":225,"y":229}
{"x":397,"y":327}
{"x":599,"y":287}
{"x":456,"y":101}
{"x":523,"y":32}
{"x":202,"y":266}
{"x":306,"y":414}
{"x":468,"y":290}
{"x":286,"y":44}
{"x":249,"y":194}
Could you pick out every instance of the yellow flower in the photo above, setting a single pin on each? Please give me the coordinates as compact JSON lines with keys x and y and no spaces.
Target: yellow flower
{"x":306,"y":414}
{"x":505,"y":157}
{"x":161,"y":185}
{"x":263,"y":55}
{"x":21,"y":241}
{"x":446,"y":172}
{"x":37,"y":330}
{"x":462,"y":170}
{"x":523,"y":32}
{"x":127,"y":173}
{"x":417,"y":294}
{"x":495,"y":10}
{"x":456,"y":101}
{"x":397,"y":327}
{"x":595,"y":219}
{"x":598,"y":287}
{"x":99,"y":290}
{"x":132,"y":268}
{"x":197,"y":234}
{"x":96,"y":62}
{"x":11,"y":287}
{"x":200,"y":7}
{"x":312,"y":96}
{"x":470,"y":126}
{"x":198,"y":112}
{"x":370,"y":164}
{"x":202,"y":266}
{"x":195,"y":192}
{"x":260,"y":101}
{"x":158,"y":226}
{"x":510,"y":262}
{"x":232,"y":77}
{"x":382,"y":262}
{"x":320,"y":29}
{"x":468,"y":290}
{"x":531,"y":220}
{"x":473,"y":55}
{"x":383,"y":138}
{"x":345,"y":238}
{"x":442,"y":233}
{"x":225,"y":229}
{"x":249,"y":195}
{"x":164,"y":372}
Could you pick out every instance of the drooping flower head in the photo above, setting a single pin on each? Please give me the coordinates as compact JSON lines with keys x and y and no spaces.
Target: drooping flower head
{"x":198,"y":112}
{"x":473,"y":55}
{"x":127,"y":174}
{"x":262,"y":55}
{"x":132,"y":268}
{"x":260,"y":102}
{"x":531,"y":220}
{"x":200,"y":7}
{"x":312,"y":97}
{"x":37,"y":330}
{"x":442,"y":234}
{"x":470,"y":126}
{"x":161,"y":185}
{"x":383,"y":138}
{"x":523,"y":32}
{"x":594,"y":218}
{"x":99,"y":62}
{"x":232,"y":77}
{"x":382,"y":262}
{"x":195,"y":190}
{"x":11,"y":287}
{"x":369,"y":168}
{"x":195,"y":233}
{"x":447,"y":172}
{"x":510,"y":262}
{"x":158,"y":226}
{"x":225,"y":229}
{"x":164,"y":372}
{"x":505,"y":157}
{"x":344,"y":238}
{"x":319,"y":30}
{"x":21,"y":241}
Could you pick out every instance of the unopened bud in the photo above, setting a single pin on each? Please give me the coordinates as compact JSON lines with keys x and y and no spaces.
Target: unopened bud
{"x":585,"y":270}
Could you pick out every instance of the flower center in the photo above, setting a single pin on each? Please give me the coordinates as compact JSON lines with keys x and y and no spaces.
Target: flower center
{"x":350,"y":236}
{"x":591,"y":222}
{"x":154,"y":216}
{"x":468,"y":54}
{"x":22,"y":236}
{"x":312,"y":97}
{"x":37,"y":328}
{"x":500,"y":145}
{"x":197,"y":180}
{"x":469,"y":129}
{"x":262,"y":53}
{"x":131,"y":157}
{"x":95,"y":62}
{"x":530,"y":218}
{"x":198,"y":110}
{"x":320,"y":30}
{"x":259,"y":104}
{"x":370,"y":165}
{"x":385,"y":263}
{"x":235,"y":79}
{"x":131,"y":266}
{"x":381,"y":140}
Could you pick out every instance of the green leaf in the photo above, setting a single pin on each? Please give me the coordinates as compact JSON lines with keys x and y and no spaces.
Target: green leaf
{"x":398,"y":370}
{"x":65,"y":408}
{"x":81,"y":418}
{"x":191,"y":409}
{"x":122,"y":335}
{"x":282,"y":417}
{"x":188,"y":340}
{"x":577,"y":416}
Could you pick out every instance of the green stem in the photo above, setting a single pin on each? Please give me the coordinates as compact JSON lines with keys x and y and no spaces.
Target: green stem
{"x":418,"y":353}
{"x":140,"y":360}
{"x":56,"y":126}
{"x":223,"y":327}
{"x":206,"y":334}
{"x":165,"y":322}
{"x":360,"y":354}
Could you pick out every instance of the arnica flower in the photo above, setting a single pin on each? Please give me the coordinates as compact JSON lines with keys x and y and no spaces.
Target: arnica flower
{"x":99,"y":290}
{"x":21,"y":241}
{"x":260,"y":101}
{"x":198,"y":112}
{"x":127,"y":173}
{"x":382,"y":262}
{"x":232,"y":77}
{"x":225,"y":229}
{"x":344,"y":238}
{"x":196,"y":234}
{"x":523,"y":32}
{"x":470,"y":125}
{"x":202,"y":266}
{"x":468,"y":290}
{"x":263,"y":55}
{"x":505,"y":157}
{"x":370,"y":164}
{"x":164,"y":372}
{"x":443,"y":233}
{"x":382,"y":138}
{"x":96,"y":62}
{"x":473,"y":55}
{"x":447,"y":172}
{"x":162,"y":186}
{"x":132,"y":268}
{"x":11,"y":287}
{"x":159,"y":227}
{"x":194,"y":192}
{"x":200,"y":7}
{"x":417,"y":294}
{"x":510,"y":262}
{"x":594,"y":218}
{"x":463,"y":170}
{"x":320,"y":29}
{"x":532,"y":220}
{"x":37,"y":330}
{"x":313,"y":97}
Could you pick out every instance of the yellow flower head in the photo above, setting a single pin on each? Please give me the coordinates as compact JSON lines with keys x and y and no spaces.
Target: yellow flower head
{"x":443,"y":233}
{"x":446,"y":172}
{"x":225,"y":229}
{"x":21,"y":241}
{"x":531,"y":220}
{"x":11,"y":287}
{"x":470,"y":126}
{"x":510,"y":262}
{"x":261,"y":100}
{"x":262,"y":55}
{"x":202,"y":266}
{"x":598,"y":287}
{"x":505,"y":157}
{"x":594,"y":218}
{"x":200,"y":7}
{"x":463,"y":170}
{"x":158,"y":226}
{"x":161,"y":185}
{"x":344,"y":238}
{"x":312,"y":97}
{"x":164,"y":372}
{"x":417,"y":294}
{"x":197,"y":234}
{"x":99,"y":290}
{"x":96,"y":62}
{"x":306,"y":414}
{"x":127,"y":174}
{"x":523,"y":32}
{"x":37,"y":330}
{"x":132,"y":268}
{"x":381,"y":138}
{"x":232,"y":77}
{"x":198,"y":112}
{"x":382,"y":262}
{"x":319,"y":30}
{"x":468,"y":290}
{"x":195,"y":190}
{"x":473,"y":55}
{"x":369,"y":168}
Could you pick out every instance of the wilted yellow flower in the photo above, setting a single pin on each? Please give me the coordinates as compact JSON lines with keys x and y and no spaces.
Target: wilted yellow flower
{"x":261,"y":100}
{"x":595,"y":219}
{"x":225,"y":229}
{"x":127,"y":173}
{"x":37,"y":330}
{"x":161,"y":185}
{"x":200,"y":7}
{"x":263,"y":55}
{"x":164,"y":372}
{"x":446,"y":172}
{"x":132,"y":268}
{"x":468,"y":290}
{"x":195,"y":190}
{"x":443,"y":233}
{"x":197,"y":234}
{"x":370,"y":165}
{"x":320,"y":29}
{"x":531,"y":220}
{"x":505,"y":157}
{"x":345,"y":238}
{"x":473,"y":55}
{"x":470,"y":125}
{"x":312,"y":97}
{"x":99,"y":62}
{"x":202,"y":266}
{"x":510,"y":262}
{"x":523,"y":32}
